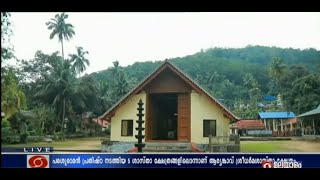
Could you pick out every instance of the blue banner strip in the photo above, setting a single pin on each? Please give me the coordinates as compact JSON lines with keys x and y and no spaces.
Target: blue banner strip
{"x":161,"y":160}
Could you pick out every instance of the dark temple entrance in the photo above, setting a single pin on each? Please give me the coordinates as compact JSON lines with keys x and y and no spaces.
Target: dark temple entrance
{"x":163,"y":116}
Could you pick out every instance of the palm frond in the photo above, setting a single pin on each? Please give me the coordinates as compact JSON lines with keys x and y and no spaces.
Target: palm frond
{"x":56,"y":100}
{"x":54,"y":32}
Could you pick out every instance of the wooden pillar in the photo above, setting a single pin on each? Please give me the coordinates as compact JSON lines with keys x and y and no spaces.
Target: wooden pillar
{"x":274,"y":125}
{"x":281,"y":125}
{"x":285,"y":124}
{"x":302,"y":128}
{"x":314,"y":128}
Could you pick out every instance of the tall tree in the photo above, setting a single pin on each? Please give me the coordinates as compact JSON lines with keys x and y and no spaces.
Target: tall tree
{"x":6,"y":50}
{"x":122,"y":84}
{"x":253,"y":87}
{"x":304,"y":94}
{"x":276,"y":71}
{"x":12,"y":97}
{"x":61,"y":29}
{"x":293,"y":73}
{"x":58,"y":87}
{"x":79,"y":61}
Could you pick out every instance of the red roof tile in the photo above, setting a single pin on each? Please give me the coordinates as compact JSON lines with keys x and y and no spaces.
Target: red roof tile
{"x":293,"y":121}
{"x":250,"y":124}
{"x":101,"y":122}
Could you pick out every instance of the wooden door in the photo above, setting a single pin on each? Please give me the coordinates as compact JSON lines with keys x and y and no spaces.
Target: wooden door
{"x":184,"y":115}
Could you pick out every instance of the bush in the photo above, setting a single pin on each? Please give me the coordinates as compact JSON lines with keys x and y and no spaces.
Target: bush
{"x":35,"y":138}
{"x":108,"y":131}
{"x":5,"y":132}
{"x":13,"y":139}
{"x":78,"y":135}
{"x":59,"y":136}
{"x":7,"y":136}
{"x":24,"y":138}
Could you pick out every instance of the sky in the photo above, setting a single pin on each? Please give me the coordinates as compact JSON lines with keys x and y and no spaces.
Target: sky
{"x":132,"y":37}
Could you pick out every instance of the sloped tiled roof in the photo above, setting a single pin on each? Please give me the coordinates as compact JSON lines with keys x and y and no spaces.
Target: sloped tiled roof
{"x":148,"y":79}
{"x":250,"y":124}
{"x":101,"y":122}
{"x":293,"y":120}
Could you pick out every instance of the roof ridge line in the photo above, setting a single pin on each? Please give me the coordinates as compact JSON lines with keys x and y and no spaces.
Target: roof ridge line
{"x":167,"y":61}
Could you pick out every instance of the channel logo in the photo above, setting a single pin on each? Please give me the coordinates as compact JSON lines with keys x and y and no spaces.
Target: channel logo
{"x":267,"y":164}
{"x":281,"y":164}
{"x":37,"y":161}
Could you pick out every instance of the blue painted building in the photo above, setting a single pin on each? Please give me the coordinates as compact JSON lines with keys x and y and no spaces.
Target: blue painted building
{"x":280,"y":123}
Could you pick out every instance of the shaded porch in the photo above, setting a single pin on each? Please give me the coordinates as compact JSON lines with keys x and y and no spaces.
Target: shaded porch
{"x":310,"y":122}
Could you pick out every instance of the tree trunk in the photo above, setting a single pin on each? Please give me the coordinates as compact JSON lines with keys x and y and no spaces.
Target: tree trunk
{"x":62,"y":49}
{"x":278,"y":85}
{"x":63,"y":113}
{"x":42,"y":127}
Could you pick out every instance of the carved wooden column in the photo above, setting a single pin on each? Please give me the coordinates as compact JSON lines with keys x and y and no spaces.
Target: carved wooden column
{"x":140,"y":136}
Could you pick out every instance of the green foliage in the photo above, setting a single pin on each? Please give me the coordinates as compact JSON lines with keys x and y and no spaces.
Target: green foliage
{"x":230,"y":75}
{"x":79,"y":61}
{"x":37,"y":68}
{"x":13,"y":98}
{"x":6,"y":132}
{"x":45,"y":121}
{"x":237,"y":77}
{"x":60,"y":28}
{"x":8,"y":137}
{"x":305,"y":94}
{"x":24,"y":138}
{"x":58,"y":87}
{"x":6,"y":50}
{"x":108,"y":130}
{"x":59,"y":136}
{"x":121,"y":84}
{"x":276,"y":71}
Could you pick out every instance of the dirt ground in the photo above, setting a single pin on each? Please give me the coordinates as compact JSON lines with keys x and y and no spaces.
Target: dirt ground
{"x":85,"y":145}
{"x":246,"y":146}
{"x":93,"y":143}
{"x":291,"y":145}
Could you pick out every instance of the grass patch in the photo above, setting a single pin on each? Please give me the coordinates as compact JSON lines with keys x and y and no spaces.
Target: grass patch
{"x":262,"y":147}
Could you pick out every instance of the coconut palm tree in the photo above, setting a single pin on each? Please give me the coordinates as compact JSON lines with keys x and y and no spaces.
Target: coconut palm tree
{"x":59,"y":88}
{"x":122,"y":84}
{"x":79,"y":61}
{"x":248,"y":80}
{"x":61,"y":29}
{"x":277,"y":70}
